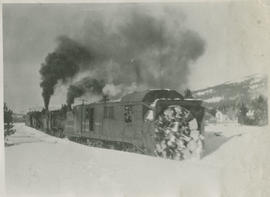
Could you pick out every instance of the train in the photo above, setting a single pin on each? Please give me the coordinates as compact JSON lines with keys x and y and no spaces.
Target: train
{"x":153,"y":122}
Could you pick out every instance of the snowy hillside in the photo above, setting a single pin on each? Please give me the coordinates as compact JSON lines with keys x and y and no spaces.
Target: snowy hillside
{"x":245,"y":88}
{"x":235,"y":163}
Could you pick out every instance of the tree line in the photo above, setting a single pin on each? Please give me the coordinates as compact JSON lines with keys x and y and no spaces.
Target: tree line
{"x":8,"y":121}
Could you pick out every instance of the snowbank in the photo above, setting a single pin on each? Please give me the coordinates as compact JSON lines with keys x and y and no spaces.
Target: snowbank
{"x":234,"y":164}
{"x":201,"y":93}
{"x":241,"y":156}
{"x":214,"y":99}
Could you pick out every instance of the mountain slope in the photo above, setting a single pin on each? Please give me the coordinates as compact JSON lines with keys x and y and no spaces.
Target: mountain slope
{"x":241,"y":90}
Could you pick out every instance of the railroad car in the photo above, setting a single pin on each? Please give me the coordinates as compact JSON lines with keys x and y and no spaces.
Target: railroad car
{"x":34,"y":119}
{"x":125,"y":124}
{"x":51,"y":122}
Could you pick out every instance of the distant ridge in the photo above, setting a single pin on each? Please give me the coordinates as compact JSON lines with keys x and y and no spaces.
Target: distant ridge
{"x":243,"y":89}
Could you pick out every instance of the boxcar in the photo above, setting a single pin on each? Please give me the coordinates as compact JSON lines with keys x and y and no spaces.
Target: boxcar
{"x":125,"y":121}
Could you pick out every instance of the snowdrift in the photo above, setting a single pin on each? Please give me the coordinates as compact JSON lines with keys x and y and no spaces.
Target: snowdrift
{"x":235,"y":163}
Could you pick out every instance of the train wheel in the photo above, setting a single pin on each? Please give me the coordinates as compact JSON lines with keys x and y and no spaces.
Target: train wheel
{"x":62,"y":133}
{"x":99,"y":144}
{"x":131,"y":149}
{"x":176,"y":134}
{"x":88,"y":142}
{"x":71,"y":139}
{"x":57,"y":133}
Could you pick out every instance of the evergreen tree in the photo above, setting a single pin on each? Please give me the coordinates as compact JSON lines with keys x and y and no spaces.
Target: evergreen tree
{"x":242,"y":115}
{"x":259,"y":105}
{"x":8,"y":120}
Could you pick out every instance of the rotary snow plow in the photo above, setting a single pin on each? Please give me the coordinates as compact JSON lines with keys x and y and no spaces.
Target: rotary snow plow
{"x":176,"y":134}
{"x":177,"y":131}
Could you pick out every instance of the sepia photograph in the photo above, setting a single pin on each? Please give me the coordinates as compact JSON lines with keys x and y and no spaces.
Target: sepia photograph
{"x":135,"y":99}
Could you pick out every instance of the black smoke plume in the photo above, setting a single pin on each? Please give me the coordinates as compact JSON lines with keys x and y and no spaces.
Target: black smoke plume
{"x":61,"y":65}
{"x":123,"y":50}
{"x":86,"y":85}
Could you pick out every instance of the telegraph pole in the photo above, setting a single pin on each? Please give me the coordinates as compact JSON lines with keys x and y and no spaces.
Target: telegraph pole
{"x":160,"y":61}
{"x":82,"y":116}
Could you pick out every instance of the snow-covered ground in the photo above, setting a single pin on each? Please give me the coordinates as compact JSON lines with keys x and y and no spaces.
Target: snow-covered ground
{"x":214,"y":99}
{"x":236,"y":163}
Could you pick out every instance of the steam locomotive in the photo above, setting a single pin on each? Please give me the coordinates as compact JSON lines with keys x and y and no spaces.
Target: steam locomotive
{"x":153,"y":122}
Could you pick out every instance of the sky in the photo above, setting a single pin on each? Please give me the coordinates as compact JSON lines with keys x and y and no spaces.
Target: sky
{"x":236,"y":37}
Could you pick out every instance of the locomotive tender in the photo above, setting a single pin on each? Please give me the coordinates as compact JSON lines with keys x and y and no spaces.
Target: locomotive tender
{"x":123,"y":124}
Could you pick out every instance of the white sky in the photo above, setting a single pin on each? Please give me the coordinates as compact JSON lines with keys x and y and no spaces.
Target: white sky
{"x":236,"y":35}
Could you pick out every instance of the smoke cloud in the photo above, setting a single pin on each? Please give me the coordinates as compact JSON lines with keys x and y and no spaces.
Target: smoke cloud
{"x":86,"y":85}
{"x":61,"y":65}
{"x":123,"y":49}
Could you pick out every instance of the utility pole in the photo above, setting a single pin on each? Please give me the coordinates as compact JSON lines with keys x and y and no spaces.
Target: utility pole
{"x":82,"y":129}
{"x":160,"y":61}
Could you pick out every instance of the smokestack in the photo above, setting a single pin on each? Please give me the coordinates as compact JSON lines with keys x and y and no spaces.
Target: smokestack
{"x":105,"y":98}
